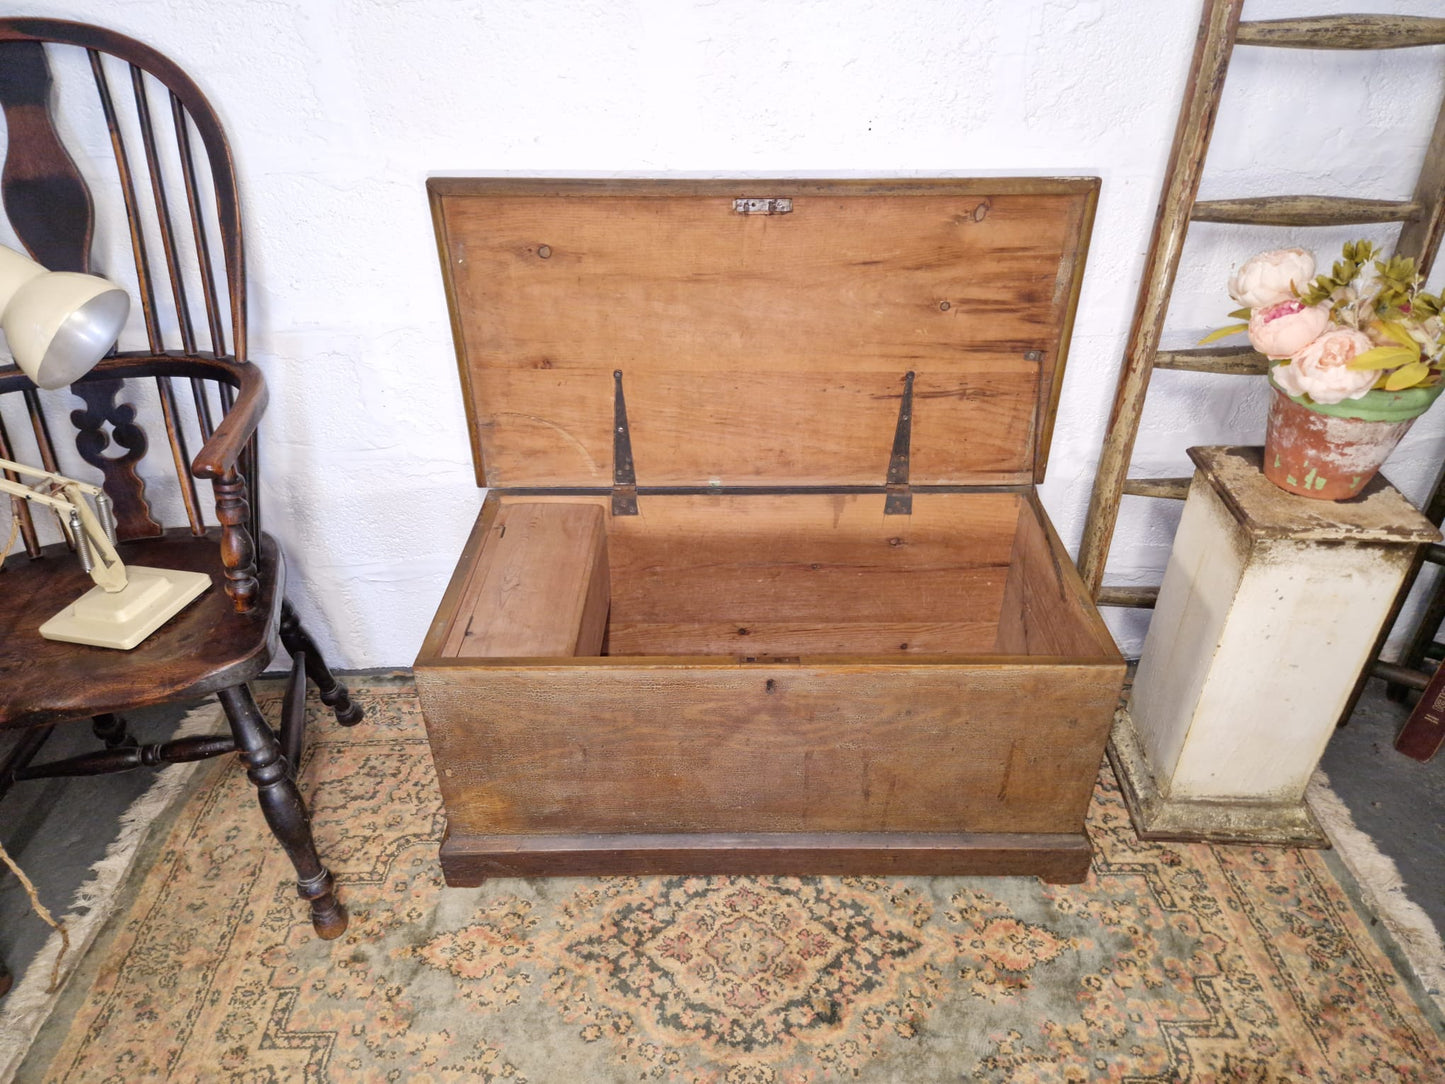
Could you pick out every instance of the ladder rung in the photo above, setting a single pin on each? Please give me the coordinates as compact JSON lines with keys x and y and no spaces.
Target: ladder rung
{"x":1174,"y":489}
{"x":1305,"y":211}
{"x":1400,"y":675}
{"x":1141,"y":598}
{"x":1344,"y":32}
{"x":1227,"y":360}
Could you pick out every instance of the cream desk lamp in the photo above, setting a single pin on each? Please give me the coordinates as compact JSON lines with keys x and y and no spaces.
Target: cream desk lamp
{"x":59,"y":324}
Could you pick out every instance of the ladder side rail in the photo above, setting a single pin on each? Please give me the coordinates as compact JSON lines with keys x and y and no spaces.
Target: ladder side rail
{"x":1217,"y":27}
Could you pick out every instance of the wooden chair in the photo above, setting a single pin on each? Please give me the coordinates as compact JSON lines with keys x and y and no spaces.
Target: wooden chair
{"x":181,"y":237}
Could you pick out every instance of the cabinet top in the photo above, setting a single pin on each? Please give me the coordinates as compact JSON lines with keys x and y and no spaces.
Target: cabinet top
{"x":1379,"y":514}
{"x":767,"y":332}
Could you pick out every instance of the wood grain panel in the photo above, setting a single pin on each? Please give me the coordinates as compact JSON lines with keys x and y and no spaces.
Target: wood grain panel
{"x":787,"y":573}
{"x":768,"y":348}
{"x":540,"y":587}
{"x":711,"y":588}
{"x":1045,"y":609}
{"x":744,"y":427}
{"x":584,"y":749}
{"x":978,"y":523}
{"x":819,"y":637}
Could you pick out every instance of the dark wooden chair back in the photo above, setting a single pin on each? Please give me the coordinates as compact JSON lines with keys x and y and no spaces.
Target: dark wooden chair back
{"x":186,"y":275}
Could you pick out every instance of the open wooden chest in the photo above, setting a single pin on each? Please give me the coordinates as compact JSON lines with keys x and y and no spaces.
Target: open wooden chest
{"x":762,"y":584}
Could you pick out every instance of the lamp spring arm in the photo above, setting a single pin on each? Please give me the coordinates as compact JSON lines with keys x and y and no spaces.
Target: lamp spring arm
{"x":94,"y":541}
{"x":105,"y":512}
{"x":82,"y":544}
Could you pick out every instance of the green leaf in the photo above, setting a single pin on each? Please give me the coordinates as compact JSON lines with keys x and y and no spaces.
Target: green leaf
{"x":1223,"y":333}
{"x":1385,"y":357}
{"x":1241,"y":314}
{"x":1407,"y":376}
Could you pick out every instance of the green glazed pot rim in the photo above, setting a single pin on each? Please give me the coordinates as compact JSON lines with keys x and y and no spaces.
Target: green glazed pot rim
{"x":1376,"y":405}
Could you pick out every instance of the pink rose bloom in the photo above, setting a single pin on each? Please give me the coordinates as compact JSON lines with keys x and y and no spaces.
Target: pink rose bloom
{"x":1286,"y":327}
{"x":1271,"y":277}
{"x":1319,"y":370}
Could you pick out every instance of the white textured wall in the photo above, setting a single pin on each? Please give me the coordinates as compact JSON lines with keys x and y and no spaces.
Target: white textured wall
{"x":339,"y":109}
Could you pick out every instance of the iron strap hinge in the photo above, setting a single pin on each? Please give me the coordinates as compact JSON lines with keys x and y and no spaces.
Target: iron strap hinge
{"x":899,"y":501}
{"x":624,"y":477}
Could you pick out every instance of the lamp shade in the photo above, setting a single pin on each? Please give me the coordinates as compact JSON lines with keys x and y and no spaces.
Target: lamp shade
{"x":59,"y":324}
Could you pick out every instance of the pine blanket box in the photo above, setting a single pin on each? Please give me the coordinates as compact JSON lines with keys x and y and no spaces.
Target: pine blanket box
{"x":761,"y":584}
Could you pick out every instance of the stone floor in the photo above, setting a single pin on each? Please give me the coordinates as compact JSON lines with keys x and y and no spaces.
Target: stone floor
{"x":57,"y":829}
{"x":1396,"y":801}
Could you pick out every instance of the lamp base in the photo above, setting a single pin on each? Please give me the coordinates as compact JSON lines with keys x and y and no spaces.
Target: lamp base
{"x":121,"y":619}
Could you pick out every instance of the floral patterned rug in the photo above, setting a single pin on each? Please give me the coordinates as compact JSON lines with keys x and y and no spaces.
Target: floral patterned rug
{"x":1172,"y":962}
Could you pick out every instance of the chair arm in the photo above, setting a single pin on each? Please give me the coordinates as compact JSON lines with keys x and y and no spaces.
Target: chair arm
{"x":220,"y":453}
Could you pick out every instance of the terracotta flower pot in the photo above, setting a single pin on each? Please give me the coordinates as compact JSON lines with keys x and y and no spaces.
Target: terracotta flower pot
{"x":1329,"y":451}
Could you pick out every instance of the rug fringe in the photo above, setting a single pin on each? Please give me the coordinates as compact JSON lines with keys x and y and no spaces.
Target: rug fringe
{"x":1383,"y":888}
{"x":27,"y":1006}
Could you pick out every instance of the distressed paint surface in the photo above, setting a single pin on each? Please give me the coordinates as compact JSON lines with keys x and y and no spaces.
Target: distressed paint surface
{"x":1259,"y":635}
{"x":1328,"y":458}
{"x":1188,"y":626}
{"x":1297,"y":632}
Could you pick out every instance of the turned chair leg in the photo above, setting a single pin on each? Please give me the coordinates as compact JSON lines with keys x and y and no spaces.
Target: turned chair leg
{"x":333,"y":693}
{"x":284,"y":809}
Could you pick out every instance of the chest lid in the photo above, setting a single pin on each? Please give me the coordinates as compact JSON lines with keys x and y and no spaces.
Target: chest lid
{"x":766,"y":331}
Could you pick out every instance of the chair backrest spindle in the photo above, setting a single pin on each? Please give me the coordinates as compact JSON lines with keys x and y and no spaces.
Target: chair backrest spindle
{"x":203,"y":244}
{"x":163,"y":210}
{"x":132,"y":205}
{"x":50,"y":209}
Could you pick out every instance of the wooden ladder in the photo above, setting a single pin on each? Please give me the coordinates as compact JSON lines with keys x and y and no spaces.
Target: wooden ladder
{"x":1423,"y":218}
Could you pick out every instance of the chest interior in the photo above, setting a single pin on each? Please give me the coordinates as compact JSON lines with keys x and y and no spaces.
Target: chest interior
{"x":767,"y":577}
{"x":764,"y":419}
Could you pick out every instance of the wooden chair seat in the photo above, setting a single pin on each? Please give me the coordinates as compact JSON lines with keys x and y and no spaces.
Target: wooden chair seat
{"x":205,"y":648}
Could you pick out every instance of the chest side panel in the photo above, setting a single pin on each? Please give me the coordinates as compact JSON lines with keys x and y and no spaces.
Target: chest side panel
{"x":761,"y":349}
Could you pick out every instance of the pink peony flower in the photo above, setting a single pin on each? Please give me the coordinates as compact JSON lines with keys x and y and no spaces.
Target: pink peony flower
{"x":1319,"y":369}
{"x":1271,"y":277}
{"x":1286,"y":327}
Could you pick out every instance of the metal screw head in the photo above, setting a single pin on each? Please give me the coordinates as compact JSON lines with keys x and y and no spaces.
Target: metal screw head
{"x":944,"y":306}
{"x":544,"y":251}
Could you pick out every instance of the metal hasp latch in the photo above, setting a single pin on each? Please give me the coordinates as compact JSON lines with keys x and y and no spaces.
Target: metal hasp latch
{"x":624,"y":478}
{"x":899,"y":501}
{"x":773,"y":205}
